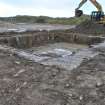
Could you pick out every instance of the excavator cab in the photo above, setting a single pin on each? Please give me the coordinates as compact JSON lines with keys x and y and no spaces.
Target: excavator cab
{"x":97,"y":16}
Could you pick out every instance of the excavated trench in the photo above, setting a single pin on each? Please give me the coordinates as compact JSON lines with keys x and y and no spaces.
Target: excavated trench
{"x":66,"y":50}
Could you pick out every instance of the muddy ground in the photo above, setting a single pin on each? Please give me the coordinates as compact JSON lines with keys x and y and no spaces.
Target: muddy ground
{"x":23,"y":82}
{"x":21,"y":27}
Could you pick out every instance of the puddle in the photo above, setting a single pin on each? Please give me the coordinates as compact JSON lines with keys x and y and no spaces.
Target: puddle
{"x":56,"y":53}
{"x":64,"y":55}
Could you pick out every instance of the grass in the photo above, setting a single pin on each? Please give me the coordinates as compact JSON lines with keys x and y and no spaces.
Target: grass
{"x":45,"y":19}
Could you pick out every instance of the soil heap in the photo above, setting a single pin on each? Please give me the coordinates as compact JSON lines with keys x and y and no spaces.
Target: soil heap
{"x":89,"y":27}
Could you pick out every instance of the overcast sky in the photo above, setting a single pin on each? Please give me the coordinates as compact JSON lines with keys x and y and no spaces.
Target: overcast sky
{"x":54,"y":8}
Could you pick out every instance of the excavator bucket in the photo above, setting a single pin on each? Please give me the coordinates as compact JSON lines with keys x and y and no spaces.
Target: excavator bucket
{"x":78,"y":13}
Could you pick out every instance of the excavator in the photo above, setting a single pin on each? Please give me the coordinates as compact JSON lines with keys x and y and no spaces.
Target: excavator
{"x":97,"y":16}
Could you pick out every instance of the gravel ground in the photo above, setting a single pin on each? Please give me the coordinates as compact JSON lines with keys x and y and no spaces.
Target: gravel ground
{"x":26,"y":83}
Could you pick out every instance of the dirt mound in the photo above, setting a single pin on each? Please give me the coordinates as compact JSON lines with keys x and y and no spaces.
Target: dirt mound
{"x":89,"y":27}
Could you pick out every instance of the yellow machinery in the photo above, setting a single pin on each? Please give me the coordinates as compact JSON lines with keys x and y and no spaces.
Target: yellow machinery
{"x":97,"y":16}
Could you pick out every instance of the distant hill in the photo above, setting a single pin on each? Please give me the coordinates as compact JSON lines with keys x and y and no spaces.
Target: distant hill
{"x":44,"y":19}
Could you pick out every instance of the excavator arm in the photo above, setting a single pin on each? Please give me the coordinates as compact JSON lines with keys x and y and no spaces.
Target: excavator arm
{"x":81,"y":4}
{"x":94,"y":2}
{"x":97,"y":5}
{"x":78,"y":12}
